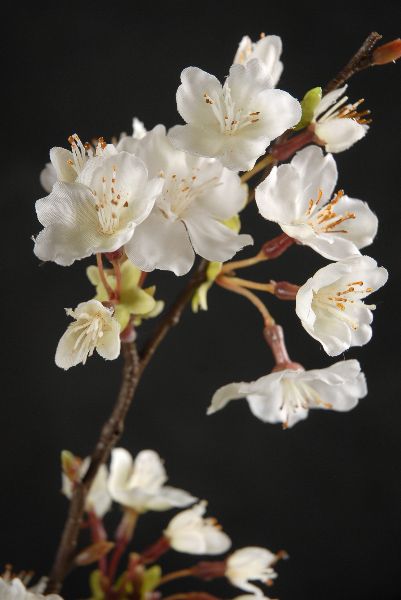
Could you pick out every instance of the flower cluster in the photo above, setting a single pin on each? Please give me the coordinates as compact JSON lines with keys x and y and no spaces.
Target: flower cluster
{"x":138,"y":486}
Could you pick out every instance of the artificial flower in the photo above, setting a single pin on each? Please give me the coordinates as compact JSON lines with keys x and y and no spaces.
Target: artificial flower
{"x":190,"y":532}
{"x":336,"y":124}
{"x":235,"y":122}
{"x":286,"y":396}
{"x":139,"y":484}
{"x":66,"y":165}
{"x":94,"y":328}
{"x":299,"y":197}
{"x":133,"y":301}
{"x":249,"y":564}
{"x":198,"y":195}
{"x":98,"y":499}
{"x":98,"y":213}
{"x":330,"y":304}
{"x":268,"y":50}
{"x":14,"y":589}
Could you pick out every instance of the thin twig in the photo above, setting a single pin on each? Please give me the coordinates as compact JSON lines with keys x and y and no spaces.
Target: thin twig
{"x":110,"y":434}
{"x":362,"y":59}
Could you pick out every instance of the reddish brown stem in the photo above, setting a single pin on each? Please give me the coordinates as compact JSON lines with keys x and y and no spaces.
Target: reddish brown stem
{"x":274,"y":337}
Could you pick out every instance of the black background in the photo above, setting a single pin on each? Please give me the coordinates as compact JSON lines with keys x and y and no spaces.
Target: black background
{"x":328,"y":491}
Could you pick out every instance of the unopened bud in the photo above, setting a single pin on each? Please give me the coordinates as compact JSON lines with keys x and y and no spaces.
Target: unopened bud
{"x":285,"y":290}
{"x":70,"y":465}
{"x":277,"y":246}
{"x":387,"y":53}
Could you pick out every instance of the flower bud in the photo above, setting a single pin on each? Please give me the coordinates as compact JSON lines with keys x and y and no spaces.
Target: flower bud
{"x":277,"y":246}
{"x":387,"y":53}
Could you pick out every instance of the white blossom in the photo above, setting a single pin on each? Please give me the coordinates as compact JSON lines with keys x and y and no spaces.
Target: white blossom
{"x":330,"y":304}
{"x":198,"y":195}
{"x":339,"y":125}
{"x":14,"y":589}
{"x":94,"y":328}
{"x":249,"y":564}
{"x":66,"y":165}
{"x":235,"y":122}
{"x":299,"y":197}
{"x":286,"y":396}
{"x":190,"y":532}
{"x":98,"y":499}
{"x":97,"y":213}
{"x":139,"y":483}
{"x":268,"y":50}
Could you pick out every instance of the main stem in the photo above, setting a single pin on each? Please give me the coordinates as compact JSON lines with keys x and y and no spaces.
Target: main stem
{"x":113,"y":428}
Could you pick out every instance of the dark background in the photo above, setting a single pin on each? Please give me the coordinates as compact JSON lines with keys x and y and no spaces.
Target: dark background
{"x":328,"y":491}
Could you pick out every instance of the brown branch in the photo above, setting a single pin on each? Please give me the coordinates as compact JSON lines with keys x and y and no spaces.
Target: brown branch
{"x":110,"y":434}
{"x":113,"y":429}
{"x":361,"y":60}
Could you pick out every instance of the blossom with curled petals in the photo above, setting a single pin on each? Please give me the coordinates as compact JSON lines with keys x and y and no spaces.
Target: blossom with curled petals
{"x":139,"y":484}
{"x":250,"y":564}
{"x":14,"y":589}
{"x":267,"y":49}
{"x":286,"y":396}
{"x":94,"y":328}
{"x":299,"y":197}
{"x":330,"y":304}
{"x":190,"y":532}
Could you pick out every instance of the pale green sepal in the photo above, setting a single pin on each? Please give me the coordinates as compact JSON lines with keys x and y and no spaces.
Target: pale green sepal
{"x":199,"y":299}
{"x":122,"y":315}
{"x":95,"y":584}
{"x":150,"y":580}
{"x":308,"y":105}
{"x":233,"y":223}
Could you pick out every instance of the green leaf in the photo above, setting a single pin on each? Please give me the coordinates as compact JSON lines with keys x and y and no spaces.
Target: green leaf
{"x":308,"y":105}
{"x":150,"y":580}
{"x":95,"y":584}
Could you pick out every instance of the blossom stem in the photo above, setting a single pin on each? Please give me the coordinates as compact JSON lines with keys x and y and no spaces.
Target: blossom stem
{"x":117,"y":273}
{"x":98,"y":535}
{"x":242,"y":264}
{"x":289,"y":147}
{"x":175,"y":575}
{"x":225,"y":282}
{"x":262,"y":164}
{"x":124,"y":535}
{"x":253,"y":285}
{"x":103,"y":277}
{"x":274,"y":337}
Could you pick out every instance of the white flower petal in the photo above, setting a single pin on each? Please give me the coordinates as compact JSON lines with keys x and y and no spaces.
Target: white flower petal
{"x":159,"y":243}
{"x":190,"y":95}
{"x":340,"y":134}
{"x":213,"y":240}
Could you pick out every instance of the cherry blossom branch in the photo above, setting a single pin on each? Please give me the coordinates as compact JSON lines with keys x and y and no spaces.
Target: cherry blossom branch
{"x":110,"y":434}
{"x":361,"y":60}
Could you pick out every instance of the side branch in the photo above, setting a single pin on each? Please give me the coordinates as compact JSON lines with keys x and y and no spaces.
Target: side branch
{"x":110,"y":434}
{"x":362,"y":59}
{"x":173,"y":315}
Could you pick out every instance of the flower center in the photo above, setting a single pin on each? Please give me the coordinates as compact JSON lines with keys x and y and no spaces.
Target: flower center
{"x":349,"y":111}
{"x":89,"y":329}
{"x":82,"y":152}
{"x":299,"y":395}
{"x":326,"y":220}
{"x":179,"y":192}
{"x":230,"y":118}
{"x":339,"y":303}
{"x":110,"y":200}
